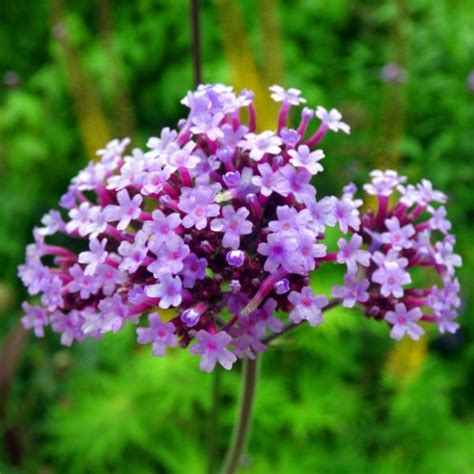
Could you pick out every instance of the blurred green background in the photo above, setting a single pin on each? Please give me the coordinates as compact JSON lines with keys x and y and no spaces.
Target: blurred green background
{"x":339,"y":399}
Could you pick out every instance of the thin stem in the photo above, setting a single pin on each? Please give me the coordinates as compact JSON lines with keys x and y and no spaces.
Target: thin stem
{"x":249,"y":381}
{"x":213,"y":435}
{"x":242,"y":427}
{"x":196,"y":42}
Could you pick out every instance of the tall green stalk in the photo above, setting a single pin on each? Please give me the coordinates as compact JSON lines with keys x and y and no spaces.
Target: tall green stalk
{"x":244,"y":417}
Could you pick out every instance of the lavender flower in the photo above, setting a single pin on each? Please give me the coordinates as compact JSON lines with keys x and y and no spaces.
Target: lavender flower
{"x":69,"y":326}
{"x":115,"y":313}
{"x":282,"y":286}
{"x":353,"y":291}
{"x":351,"y":254}
{"x":159,"y":334}
{"x":212,"y":349}
{"x":291,"y":181}
{"x":126,"y":210}
{"x":439,"y":220}
{"x":398,"y":237}
{"x":221,"y":226}
{"x":347,"y":214}
{"x":259,"y":145}
{"x":404,"y":321}
{"x":233,"y":223}
{"x":80,"y":219}
{"x":307,"y":306}
{"x":332,"y":119}
{"x":278,"y":251}
{"x":383,"y":182}
{"x":162,"y":229}
{"x":291,"y":95}
{"x":470,"y":81}
{"x":198,"y":205}
{"x":86,"y":285}
{"x":392,"y":276}
{"x":94,"y":257}
{"x":35,"y":318}
{"x":168,"y":290}
{"x":133,"y":254}
{"x":307,"y":159}
{"x":190,"y":317}
{"x":265,"y":180}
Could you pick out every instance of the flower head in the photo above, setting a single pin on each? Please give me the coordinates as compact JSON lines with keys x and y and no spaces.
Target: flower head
{"x":220,"y":225}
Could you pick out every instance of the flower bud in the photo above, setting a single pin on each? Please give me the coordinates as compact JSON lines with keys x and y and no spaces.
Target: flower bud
{"x":190,"y":317}
{"x":281,"y":287}
{"x":235,"y":258}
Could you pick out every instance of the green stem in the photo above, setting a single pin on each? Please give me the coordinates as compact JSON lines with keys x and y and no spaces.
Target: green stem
{"x":244,"y":417}
{"x":213,"y":435}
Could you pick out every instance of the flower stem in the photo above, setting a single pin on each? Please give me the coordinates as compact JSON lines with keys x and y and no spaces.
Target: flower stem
{"x":196,"y":42}
{"x":244,"y":417}
{"x":213,"y":434}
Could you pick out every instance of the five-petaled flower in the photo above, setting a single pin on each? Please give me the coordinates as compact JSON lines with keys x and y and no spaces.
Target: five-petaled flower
{"x":212,"y":349}
{"x":404,"y":321}
{"x":126,"y":210}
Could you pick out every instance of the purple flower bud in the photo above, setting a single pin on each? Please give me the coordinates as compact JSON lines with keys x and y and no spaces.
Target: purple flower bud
{"x":232,"y":179}
{"x":137,"y":295}
{"x":277,"y":161}
{"x":281,"y":287}
{"x":235,"y":258}
{"x":190,"y":317}
{"x":307,"y":113}
{"x":252,"y":201}
{"x":207,"y":246}
{"x":289,"y":136}
{"x":349,"y":189}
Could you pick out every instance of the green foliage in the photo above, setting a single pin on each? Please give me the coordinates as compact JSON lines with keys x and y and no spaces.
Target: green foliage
{"x":328,"y":400}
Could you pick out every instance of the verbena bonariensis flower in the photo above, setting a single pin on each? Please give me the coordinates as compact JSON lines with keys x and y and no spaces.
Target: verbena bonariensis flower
{"x":222,"y":224}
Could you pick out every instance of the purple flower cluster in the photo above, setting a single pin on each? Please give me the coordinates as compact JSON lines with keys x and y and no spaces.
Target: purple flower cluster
{"x":408,"y":231}
{"x":221,"y":224}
